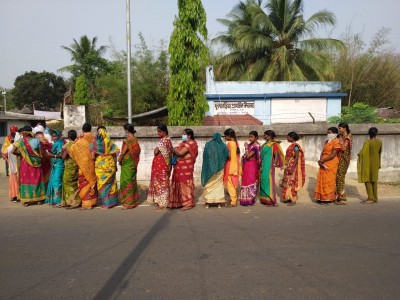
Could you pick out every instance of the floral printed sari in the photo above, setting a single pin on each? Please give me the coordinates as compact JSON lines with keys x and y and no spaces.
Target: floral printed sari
{"x":70,"y":195}
{"x":54,"y":187}
{"x":250,"y":176}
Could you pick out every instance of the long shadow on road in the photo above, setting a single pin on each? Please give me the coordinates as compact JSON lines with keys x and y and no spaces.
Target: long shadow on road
{"x":116,"y":281}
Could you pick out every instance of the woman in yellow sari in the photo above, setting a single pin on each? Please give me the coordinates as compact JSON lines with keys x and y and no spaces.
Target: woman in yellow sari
{"x":232,"y":166}
{"x":104,"y":152}
{"x":328,"y":163}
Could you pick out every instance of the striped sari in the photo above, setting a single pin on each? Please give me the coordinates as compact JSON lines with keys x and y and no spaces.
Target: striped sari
{"x":271,"y":157}
{"x":344,"y":162}
{"x":54,"y":187}
{"x":294,"y":175}
{"x":31,"y":187}
{"x":106,"y":168}
{"x":129,"y":195}
{"x":80,"y":152}
{"x":159,"y":189}
{"x":182,"y":184}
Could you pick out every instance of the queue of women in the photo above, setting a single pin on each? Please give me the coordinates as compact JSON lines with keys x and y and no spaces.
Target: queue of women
{"x":80,"y":172}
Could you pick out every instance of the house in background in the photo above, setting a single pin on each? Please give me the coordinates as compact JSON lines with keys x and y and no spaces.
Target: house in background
{"x":272,"y":102}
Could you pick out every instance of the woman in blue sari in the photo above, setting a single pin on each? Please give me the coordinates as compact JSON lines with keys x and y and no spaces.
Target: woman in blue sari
{"x":54,"y":188}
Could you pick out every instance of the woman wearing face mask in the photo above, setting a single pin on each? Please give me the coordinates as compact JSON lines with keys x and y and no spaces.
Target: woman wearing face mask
{"x":182,"y":185}
{"x":328,"y":162}
{"x":271,"y":157}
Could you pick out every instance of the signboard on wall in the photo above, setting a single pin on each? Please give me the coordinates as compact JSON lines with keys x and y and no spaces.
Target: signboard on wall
{"x":234,"y":108}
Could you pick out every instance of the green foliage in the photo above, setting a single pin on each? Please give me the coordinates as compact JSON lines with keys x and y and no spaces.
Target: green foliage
{"x":358,"y":113}
{"x":45,"y":90}
{"x":81,"y":96}
{"x":369,"y":74}
{"x":186,"y":102}
{"x":149,"y":77}
{"x":273,"y":41}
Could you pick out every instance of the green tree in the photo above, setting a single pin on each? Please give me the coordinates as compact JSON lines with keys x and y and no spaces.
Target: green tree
{"x":274,"y":42}
{"x":81,"y":96}
{"x":87,"y":60}
{"x":186,"y":102}
{"x":45,"y":90}
{"x":358,"y":113}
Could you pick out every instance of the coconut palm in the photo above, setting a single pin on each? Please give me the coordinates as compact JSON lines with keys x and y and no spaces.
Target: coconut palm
{"x":274,"y":42}
{"x":86,"y":58}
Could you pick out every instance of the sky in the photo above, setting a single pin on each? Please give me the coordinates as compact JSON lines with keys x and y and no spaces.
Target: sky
{"x":33,"y":31}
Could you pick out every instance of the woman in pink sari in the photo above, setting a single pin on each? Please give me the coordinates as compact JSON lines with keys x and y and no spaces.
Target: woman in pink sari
{"x":182,"y":186}
{"x":159,"y":189}
{"x":251,"y":170}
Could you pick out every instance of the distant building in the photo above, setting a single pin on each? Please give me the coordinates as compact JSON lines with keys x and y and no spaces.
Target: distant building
{"x":272,"y":102}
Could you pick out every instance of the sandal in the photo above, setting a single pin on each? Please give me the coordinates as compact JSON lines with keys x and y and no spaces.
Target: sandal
{"x":26,"y":204}
{"x":186,"y":208}
{"x":206,"y":206}
{"x":339,"y":202}
{"x":158,"y":207}
{"x":369,"y":202}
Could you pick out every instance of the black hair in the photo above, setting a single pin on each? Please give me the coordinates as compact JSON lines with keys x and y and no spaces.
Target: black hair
{"x":271,"y":133}
{"x":101,"y":127}
{"x":231,"y":133}
{"x":372,"y":132}
{"x":254,"y":133}
{"x":13,"y":134}
{"x":129,"y":128}
{"x":27,"y":129}
{"x":345,"y":125}
{"x":87,"y":127}
{"x":72,"y":135}
{"x":294,"y":136}
{"x":163,"y":128}
{"x":333,"y":130}
{"x":189,"y":132}
{"x":51,"y":132}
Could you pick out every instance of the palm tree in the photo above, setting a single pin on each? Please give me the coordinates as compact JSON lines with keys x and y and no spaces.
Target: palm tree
{"x":87,"y":59}
{"x":274,"y":42}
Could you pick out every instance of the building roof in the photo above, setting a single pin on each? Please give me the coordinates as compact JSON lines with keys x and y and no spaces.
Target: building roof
{"x":231,"y":120}
{"x":17,"y":116}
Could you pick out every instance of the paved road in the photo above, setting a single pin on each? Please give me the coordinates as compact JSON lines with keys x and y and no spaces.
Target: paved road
{"x":302,"y":252}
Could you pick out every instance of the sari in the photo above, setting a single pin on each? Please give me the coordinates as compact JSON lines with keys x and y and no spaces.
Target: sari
{"x":129,"y":195}
{"x":326,"y":180}
{"x":70,"y":196}
{"x":54,"y":187}
{"x":250,"y":176}
{"x":344,"y":162}
{"x":12,"y":161}
{"x":232,"y":171}
{"x":46,"y":146}
{"x":212,"y":171}
{"x":6,"y":145}
{"x":294,"y":176}
{"x":106,"y":168}
{"x":182,"y":184}
{"x":31,"y":188}
{"x":271,"y":157}
{"x":159,"y":189}
{"x":80,"y":152}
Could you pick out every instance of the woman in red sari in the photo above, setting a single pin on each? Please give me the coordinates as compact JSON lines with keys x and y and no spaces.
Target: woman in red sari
{"x":45,"y":146}
{"x":159,"y":189}
{"x":182,"y":186}
{"x":295,"y":170}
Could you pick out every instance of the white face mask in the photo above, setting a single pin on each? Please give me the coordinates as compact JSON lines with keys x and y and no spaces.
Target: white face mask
{"x":331,"y":136}
{"x":184,"y":137}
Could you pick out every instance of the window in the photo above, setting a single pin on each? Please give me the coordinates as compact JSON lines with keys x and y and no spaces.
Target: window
{"x":3,"y":129}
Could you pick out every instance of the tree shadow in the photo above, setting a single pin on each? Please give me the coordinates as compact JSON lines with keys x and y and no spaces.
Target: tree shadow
{"x":118,"y":278}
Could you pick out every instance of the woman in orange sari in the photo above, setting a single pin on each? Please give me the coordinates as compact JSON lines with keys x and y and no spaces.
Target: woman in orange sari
{"x":80,"y":153}
{"x":129,"y":160}
{"x":295,"y":171}
{"x":159,"y":189}
{"x":182,"y":186}
{"x":325,"y":191}
{"x":232,"y":167}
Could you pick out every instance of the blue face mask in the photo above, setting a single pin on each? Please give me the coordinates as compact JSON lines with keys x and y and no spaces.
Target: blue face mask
{"x":184,"y":137}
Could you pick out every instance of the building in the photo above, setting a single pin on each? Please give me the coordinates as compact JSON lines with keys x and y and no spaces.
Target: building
{"x":274,"y":102}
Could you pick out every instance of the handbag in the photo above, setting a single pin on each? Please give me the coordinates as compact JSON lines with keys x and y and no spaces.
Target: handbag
{"x":174,"y":159}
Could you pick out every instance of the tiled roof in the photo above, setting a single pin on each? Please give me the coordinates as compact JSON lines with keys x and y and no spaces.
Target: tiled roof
{"x":229,"y":120}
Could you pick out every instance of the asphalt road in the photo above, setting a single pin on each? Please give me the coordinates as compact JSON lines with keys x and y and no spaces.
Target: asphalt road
{"x":302,"y":252}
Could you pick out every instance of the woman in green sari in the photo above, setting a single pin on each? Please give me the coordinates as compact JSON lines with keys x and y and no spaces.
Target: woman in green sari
{"x":129,"y":160}
{"x":271,"y":157}
{"x":70,"y":195}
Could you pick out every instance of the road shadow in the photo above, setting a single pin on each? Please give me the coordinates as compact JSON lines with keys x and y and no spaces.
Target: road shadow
{"x":118,"y":278}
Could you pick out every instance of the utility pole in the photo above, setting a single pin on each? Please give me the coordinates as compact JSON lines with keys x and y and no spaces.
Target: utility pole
{"x":128,"y":49}
{"x":5,"y":101}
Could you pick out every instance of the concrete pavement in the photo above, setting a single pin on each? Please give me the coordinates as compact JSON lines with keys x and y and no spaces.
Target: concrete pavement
{"x":302,"y":252}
